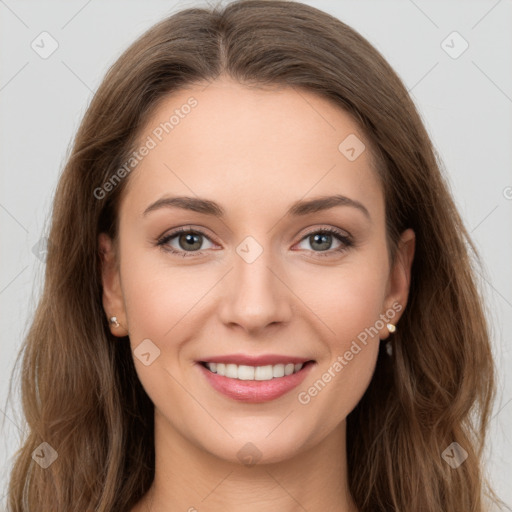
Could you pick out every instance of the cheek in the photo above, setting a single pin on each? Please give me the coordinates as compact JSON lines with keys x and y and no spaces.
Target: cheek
{"x":159,"y":303}
{"x":157,"y":295}
{"x":347,"y":300}
{"x":346,"y":368}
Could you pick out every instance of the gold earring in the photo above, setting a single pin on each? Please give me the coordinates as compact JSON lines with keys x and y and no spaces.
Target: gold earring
{"x":391,"y":327}
{"x":113,"y":321}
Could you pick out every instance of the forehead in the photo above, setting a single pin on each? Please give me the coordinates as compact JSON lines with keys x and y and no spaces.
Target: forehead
{"x":252,"y":148}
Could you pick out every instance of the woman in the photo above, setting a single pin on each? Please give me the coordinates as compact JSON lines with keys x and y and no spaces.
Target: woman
{"x":255,"y":369}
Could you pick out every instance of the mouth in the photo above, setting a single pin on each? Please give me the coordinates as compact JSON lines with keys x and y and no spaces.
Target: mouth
{"x":254,"y":384}
{"x":254,"y":373}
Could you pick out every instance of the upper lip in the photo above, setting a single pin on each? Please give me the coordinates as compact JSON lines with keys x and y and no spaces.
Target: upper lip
{"x":263,"y":360}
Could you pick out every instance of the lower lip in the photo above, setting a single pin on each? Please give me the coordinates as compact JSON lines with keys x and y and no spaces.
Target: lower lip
{"x":255,"y":391}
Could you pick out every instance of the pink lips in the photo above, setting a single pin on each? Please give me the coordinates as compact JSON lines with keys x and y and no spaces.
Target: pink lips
{"x":263,"y":360}
{"x":256,"y":391}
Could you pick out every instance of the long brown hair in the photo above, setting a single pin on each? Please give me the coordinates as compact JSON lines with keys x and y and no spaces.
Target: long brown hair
{"x":80,"y":391}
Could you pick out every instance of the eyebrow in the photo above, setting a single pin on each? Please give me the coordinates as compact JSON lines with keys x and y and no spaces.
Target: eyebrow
{"x":299,"y":208}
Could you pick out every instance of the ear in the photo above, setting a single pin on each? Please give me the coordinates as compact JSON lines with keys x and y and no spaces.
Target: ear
{"x":113,"y":301}
{"x":399,"y":281}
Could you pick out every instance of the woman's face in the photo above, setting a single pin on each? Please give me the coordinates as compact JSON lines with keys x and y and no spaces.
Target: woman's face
{"x":262,"y":279}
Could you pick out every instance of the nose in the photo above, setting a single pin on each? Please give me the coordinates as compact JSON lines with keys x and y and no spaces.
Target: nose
{"x":256,"y":295}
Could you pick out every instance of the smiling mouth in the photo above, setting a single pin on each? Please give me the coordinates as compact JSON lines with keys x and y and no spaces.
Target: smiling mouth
{"x":254,"y":373}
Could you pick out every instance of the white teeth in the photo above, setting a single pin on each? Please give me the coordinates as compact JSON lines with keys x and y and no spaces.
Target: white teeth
{"x":231,"y":371}
{"x":263,"y":373}
{"x":244,"y":372}
{"x":278,"y":370}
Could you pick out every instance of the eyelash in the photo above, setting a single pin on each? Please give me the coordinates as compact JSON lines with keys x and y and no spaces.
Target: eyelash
{"x":346,"y":241}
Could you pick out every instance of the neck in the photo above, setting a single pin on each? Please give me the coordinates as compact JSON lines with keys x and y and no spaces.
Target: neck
{"x":190,"y":479}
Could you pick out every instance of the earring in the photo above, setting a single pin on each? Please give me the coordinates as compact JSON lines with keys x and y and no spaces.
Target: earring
{"x":389,"y":347}
{"x":113,"y":321}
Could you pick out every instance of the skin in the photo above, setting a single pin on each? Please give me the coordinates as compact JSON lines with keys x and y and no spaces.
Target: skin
{"x":254,"y":152}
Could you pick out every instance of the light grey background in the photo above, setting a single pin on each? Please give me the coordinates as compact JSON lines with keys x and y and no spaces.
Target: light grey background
{"x":466,"y":104}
